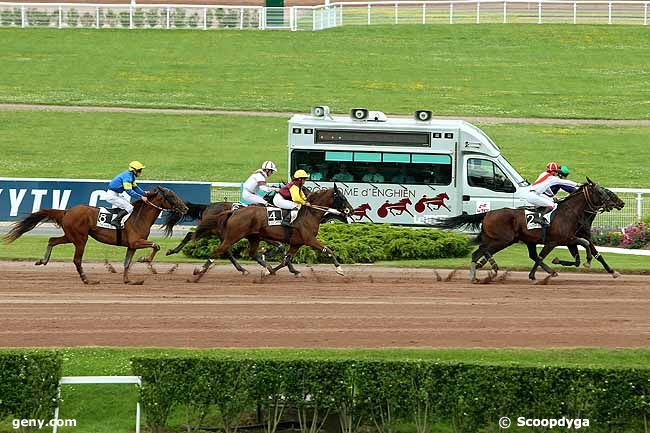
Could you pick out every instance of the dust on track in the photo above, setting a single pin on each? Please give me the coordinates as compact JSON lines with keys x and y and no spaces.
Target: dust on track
{"x":369,"y":307}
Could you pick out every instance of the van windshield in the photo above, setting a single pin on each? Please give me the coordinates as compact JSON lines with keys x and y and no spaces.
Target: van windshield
{"x":374,"y":167}
{"x":519,"y":180}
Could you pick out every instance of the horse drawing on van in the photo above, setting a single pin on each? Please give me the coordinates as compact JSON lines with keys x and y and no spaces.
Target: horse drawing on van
{"x":428,"y":202}
{"x":394,"y":208}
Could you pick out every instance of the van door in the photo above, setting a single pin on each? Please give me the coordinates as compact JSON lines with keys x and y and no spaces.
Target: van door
{"x":485,"y":185}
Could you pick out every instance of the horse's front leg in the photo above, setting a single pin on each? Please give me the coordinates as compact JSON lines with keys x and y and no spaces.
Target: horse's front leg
{"x":315,"y":243}
{"x":143,"y":243}
{"x":586,"y":244}
{"x":286,"y":261}
{"x":180,"y":246}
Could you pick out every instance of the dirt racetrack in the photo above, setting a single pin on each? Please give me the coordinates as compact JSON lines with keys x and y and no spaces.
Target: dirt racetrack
{"x":369,"y":307}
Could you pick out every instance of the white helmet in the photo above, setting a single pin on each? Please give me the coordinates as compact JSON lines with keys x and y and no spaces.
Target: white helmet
{"x":268,"y":165}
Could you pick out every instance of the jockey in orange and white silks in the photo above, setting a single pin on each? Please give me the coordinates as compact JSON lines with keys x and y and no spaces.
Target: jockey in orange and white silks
{"x":257,"y":181}
{"x":541,"y":191}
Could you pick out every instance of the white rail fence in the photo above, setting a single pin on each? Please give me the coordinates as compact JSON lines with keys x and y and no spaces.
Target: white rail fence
{"x":637,"y":204}
{"x":205,"y":17}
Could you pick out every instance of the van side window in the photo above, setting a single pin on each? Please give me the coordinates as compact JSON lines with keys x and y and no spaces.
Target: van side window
{"x":486,"y":174}
{"x":374,"y":167}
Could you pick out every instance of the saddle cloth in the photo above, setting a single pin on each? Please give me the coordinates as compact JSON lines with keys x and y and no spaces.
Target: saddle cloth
{"x":531,"y":213}
{"x":105,"y":216}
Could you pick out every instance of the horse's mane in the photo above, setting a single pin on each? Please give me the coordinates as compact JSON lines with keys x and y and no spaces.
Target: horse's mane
{"x":573,"y":194}
{"x":317,"y":194}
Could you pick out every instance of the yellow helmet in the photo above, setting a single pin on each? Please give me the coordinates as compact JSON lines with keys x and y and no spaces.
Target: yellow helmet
{"x":300,"y":174}
{"x":135,"y":165}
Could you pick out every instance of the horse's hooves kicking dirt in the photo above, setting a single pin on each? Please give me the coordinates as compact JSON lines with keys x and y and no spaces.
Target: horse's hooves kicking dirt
{"x":450,"y":276}
{"x":196,"y":271}
{"x":152,"y":269}
{"x":173,"y":269}
{"x":616,"y":274}
{"x":545,"y":281}
{"x":438,"y":277}
{"x":135,"y":283}
{"x":504,"y":276}
{"x":109,"y":267}
{"x":40,"y":262}
{"x":339,"y":270}
{"x":245,"y":272}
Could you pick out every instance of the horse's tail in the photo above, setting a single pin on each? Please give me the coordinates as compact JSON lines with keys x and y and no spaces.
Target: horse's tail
{"x":194,"y":212}
{"x":471,"y":221}
{"x":31,"y":221}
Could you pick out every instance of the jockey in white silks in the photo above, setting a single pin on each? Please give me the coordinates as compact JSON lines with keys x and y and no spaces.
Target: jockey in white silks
{"x":257,"y":181}
{"x":541,"y":192}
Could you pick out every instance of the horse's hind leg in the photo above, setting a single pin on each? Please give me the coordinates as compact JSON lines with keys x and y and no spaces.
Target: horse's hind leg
{"x":540,"y":261}
{"x":51,"y":243}
{"x":235,"y":263}
{"x":223,"y":247}
{"x":476,"y":264}
{"x":180,"y":246}
{"x":149,"y":260}
{"x":79,"y":247}
{"x":287,"y":261}
{"x":127,"y":265}
{"x":573,"y":249}
{"x":253,"y":251}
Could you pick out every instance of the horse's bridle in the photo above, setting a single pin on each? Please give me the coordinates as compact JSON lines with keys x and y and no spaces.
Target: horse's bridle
{"x":163,"y":192}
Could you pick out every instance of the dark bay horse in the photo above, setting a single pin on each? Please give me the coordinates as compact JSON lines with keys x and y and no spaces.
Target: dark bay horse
{"x":584,"y":231}
{"x":504,"y":227}
{"x":234,"y":226}
{"x":80,"y":222}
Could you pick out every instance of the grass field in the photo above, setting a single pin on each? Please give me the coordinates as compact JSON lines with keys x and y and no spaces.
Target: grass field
{"x":514,"y":70}
{"x":228,"y":148}
{"x":32,"y":247}
{"x":110,"y":408}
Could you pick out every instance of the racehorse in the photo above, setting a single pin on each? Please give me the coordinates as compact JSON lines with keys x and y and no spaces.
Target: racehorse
{"x":584,"y":231}
{"x":504,"y":227}
{"x":80,"y":222}
{"x":234,"y":226}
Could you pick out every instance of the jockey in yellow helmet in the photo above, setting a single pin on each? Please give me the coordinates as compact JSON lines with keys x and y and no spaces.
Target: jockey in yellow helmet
{"x":291,"y":196}
{"x":125,"y":181}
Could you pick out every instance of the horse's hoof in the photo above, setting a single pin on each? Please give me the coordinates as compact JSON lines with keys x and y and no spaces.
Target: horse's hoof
{"x":196,"y":271}
{"x":245,"y":272}
{"x":532,"y":277}
{"x":173,"y":269}
{"x":40,"y":262}
{"x":135,"y":283}
{"x":142,"y":259}
{"x":587,"y":265}
{"x":555,"y":274}
{"x":91,"y":282}
{"x":475,"y":280}
{"x":556,"y":261}
{"x":267,"y":272}
{"x":616,"y":274}
{"x":298,"y":275}
{"x":169,"y":252}
{"x":153,"y":270}
{"x":339,"y":270}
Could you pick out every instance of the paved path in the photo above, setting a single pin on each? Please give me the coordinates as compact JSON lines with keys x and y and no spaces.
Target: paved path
{"x":474,"y":119}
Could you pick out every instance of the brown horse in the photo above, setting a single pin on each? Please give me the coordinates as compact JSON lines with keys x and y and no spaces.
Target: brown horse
{"x":504,"y":227}
{"x":80,"y":222}
{"x":234,"y":226}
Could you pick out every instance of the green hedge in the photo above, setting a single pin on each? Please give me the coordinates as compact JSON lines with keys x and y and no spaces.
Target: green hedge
{"x":379,"y":395}
{"x":29,"y":383}
{"x":359,"y":243}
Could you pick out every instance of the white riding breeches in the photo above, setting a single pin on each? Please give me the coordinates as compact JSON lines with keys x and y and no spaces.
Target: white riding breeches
{"x":118,"y":200}
{"x":283,"y":203}
{"x":541,"y":200}
{"x":251,"y":198}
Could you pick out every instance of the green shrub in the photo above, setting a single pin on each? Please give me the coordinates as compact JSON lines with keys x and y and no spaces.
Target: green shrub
{"x":359,"y":243}
{"x":29,"y":382}
{"x":380,"y":395}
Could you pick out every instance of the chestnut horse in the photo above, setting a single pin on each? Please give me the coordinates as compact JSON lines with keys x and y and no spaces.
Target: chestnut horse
{"x":80,"y":222}
{"x":252,"y":220}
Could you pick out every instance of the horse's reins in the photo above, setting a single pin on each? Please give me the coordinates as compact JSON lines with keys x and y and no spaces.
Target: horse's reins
{"x":327,"y":209}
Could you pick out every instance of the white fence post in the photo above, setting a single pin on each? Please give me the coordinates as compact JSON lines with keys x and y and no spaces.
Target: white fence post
{"x":505,"y":12}
{"x":575,"y":12}
{"x":205,"y":18}
{"x":130,"y":17}
{"x":396,"y":13}
{"x":60,"y":17}
{"x":451,"y":13}
{"x":539,"y":13}
{"x":241,"y":19}
{"x":645,"y":15}
{"x":609,"y":15}
{"x":424,"y":13}
{"x":639,"y":206}
{"x":263,"y":18}
{"x":369,"y":13}
{"x":478,"y":12}
{"x":22,"y":16}
{"x":167,"y":17}
{"x":97,"y":16}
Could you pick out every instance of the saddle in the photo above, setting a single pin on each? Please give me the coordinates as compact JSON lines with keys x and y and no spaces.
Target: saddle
{"x":105,"y":216}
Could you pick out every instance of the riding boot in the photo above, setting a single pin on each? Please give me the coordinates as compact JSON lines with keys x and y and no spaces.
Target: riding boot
{"x":117,"y":219}
{"x":544,"y":229}
{"x":287,"y":221}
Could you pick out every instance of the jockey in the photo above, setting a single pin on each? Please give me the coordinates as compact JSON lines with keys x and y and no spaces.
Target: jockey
{"x":292,"y":197}
{"x":256,"y":181}
{"x":541,"y":194}
{"x":125,"y":181}
{"x":563,"y":174}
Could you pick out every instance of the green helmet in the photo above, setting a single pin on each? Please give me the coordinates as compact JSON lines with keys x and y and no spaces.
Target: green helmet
{"x":564,"y":170}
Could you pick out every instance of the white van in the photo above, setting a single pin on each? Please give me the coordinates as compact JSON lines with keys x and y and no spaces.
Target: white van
{"x":403,"y":171}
